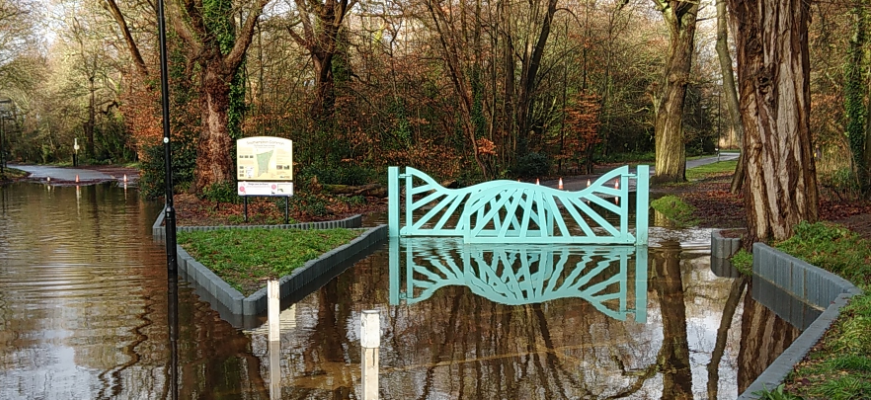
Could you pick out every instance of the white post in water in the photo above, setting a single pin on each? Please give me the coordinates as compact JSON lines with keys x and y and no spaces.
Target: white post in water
{"x":370,"y":340}
{"x":273,"y":308}
{"x":274,"y":370}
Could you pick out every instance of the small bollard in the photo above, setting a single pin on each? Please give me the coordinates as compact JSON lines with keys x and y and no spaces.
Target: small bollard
{"x":370,"y":341}
{"x":273,"y":309}
{"x":274,"y":370}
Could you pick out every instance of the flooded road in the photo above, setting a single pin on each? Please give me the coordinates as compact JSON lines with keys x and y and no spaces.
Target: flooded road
{"x":84,"y":315}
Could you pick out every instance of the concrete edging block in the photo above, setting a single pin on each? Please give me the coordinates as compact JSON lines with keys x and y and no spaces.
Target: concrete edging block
{"x":723,"y":247}
{"x":256,"y":303}
{"x":806,"y":282}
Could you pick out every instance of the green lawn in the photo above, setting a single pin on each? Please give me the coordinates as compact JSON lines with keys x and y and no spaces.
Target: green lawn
{"x":245,"y":259}
{"x":711,"y":170}
{"x":840,"y":366}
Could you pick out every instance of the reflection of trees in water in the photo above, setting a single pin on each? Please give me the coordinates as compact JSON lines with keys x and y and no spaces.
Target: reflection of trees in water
{"x":674,"y":355}
{"x":729,"y":309}
{"x":460,"y":345}
{"x":763,"y":337}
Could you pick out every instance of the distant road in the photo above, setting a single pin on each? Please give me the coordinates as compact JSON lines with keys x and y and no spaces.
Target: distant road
{"x":580,"y":182}
{"x":61,"y":175}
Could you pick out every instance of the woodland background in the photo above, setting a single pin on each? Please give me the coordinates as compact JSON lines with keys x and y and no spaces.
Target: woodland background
{"x":466,"y":90}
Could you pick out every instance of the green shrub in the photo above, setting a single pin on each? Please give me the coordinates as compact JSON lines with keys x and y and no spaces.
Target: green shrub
{"x":224,"y":192}
{"x":336,"y":172}
{"x":532,"y":165}
{"x":152,"y":169}
{"x":743,"y":262}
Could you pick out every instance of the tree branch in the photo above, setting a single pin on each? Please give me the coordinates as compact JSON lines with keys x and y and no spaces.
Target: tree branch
{"x":128,"y":37}
{"x":243,"y":39}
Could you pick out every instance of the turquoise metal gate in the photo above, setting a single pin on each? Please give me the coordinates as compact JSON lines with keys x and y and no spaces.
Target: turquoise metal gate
{"x":505,"y":211}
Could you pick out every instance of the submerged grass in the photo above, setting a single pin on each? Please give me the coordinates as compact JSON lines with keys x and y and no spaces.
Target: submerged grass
{"x":245,"y":259}
{"x":839,"y":367}
{"x":675,"y":209}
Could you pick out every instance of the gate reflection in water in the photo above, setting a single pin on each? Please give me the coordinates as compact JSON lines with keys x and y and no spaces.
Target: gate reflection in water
{"x":517,"y":274}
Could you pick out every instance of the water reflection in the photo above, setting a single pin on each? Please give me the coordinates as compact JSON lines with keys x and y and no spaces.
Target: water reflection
{"x":517,"y":274}
{"x":86,"y":311}
{"x":85,"y":306}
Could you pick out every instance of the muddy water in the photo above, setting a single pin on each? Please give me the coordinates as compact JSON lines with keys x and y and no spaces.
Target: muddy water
{"x":83,"y":315}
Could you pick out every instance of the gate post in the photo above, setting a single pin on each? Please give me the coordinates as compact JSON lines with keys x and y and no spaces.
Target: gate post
{"x":642,"y":203}
{"x":393,"y":201}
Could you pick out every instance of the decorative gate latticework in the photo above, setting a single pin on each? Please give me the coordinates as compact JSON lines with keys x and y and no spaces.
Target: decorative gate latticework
{"x":513,"y":212}
{"x":517,"y":274}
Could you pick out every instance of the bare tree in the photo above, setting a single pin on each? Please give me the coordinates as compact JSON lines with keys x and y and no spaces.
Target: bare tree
{"x":321,"y":22}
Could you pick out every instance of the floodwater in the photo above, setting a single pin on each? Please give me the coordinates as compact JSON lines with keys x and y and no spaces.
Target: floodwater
{"x":84,"y":314}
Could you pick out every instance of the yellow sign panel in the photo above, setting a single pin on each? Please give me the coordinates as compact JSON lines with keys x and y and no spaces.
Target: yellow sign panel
{"x":264,"y":158}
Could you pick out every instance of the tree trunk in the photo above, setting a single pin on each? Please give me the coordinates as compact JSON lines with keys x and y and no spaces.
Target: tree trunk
{"x":774,"y":79}
{"x":321,"y":22}
{"x":764,"y":337}
{"x":738,"y":177}
{"x":92,"y":116}
{"x":729,"y":90}
{"x":529,"y":73}
{"x":219,"y":54}
{"x":673,"y":359}
{"x":854,"y":94}
{"x":670,"y":148}
{"x":214,"y":164}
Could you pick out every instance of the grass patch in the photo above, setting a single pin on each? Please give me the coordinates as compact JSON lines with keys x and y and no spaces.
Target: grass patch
{"x":840,"y":366}
{"x":712,"y":170}
{"x":675,"y":210}
{"x":833,"y":248}
{"x":776,"y":394}
{"x":245,"y":259}
{"x":12,"y":174}
{"x":743,"y":262}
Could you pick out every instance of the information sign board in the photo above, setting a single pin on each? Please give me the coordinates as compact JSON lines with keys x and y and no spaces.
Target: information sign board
{"x":264,"y":158}
{"x":264,"y":166}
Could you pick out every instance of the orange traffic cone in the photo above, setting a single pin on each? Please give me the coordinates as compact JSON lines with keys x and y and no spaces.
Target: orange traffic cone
{"x":560,"y":184}
{"x":536,"y":181}
{"x":125,"y":178}
{"x":616,"y":184}
{"x":588,"y":183}
{"x":77,"y":178}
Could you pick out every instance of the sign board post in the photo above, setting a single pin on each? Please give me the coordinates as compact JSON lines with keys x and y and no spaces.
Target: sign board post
{"x":265,"y":168}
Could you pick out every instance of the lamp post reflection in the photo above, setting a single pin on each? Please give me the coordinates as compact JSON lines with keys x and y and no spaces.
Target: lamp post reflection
{"x":172,"y":313}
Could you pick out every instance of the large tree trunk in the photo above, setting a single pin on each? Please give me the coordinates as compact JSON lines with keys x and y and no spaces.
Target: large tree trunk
{"x":670,"y":148}
{"x":214,"y":164}
{"x":729,"y":90}
{"x":773,"y":75}
{"x":219,"y":66}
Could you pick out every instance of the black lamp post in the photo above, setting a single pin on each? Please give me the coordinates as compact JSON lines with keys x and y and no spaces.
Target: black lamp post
{"x":169,"y":215}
